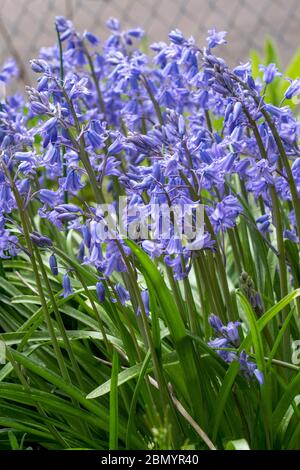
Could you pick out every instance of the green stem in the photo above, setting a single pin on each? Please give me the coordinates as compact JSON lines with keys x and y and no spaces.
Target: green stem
{"x":205,"y":311}
{"x":160,"y":377}
{"x":96,"y":81}
{"x":231,"y":311}
{"x":60,"y":323}
{"x":191,"y":307}
{"x":58,"y":353}
{"x":62,"y":76}
{"x":154,"y":102}
{"x":177,"y":294}
{"x":99,"y":320}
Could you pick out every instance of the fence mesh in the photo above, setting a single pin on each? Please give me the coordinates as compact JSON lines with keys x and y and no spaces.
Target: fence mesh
{"x":26,"y":25}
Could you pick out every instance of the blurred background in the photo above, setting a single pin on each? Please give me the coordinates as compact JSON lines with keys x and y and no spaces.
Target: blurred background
{"x":26,"y":25}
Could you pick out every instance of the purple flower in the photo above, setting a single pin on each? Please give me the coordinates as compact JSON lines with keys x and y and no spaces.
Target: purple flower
{"x":9,"y":245}
{"x":176,"y":37}
{"x":113,"y":24}
{"x":215,"y":38}
{"x":228,"y":338}
{"x":270,"y":72}
{"x":67,"y":288}
{"x":53,"y":264}
{"x":9,"y":70}
{"x":47,"y":196}
{"x":216,"y":323}
{"x":293,"y":89}
{"x":100,"y":290}
{"x":91,"y":38}
{"x":145,"y":300}
{"x":249,"y":368}
{"x":263,"y":223}
{"x":122,"y":293}
{"x":225,"y":214}
{"x":40,"y":240}
{"x":72,"y":182}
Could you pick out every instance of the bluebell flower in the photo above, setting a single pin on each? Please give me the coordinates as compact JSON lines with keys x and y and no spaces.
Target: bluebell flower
{"x":293,"y":89}
{"x":122,"y":293}
{"x":176,"y":37}
{"x":100,"y":290}
{"x":40,"y":240}
{"x":269,"y":72}
{"x":225,"y":214}
{"x":72,"y":182}
{"x":53,"y":264}
{"x":64,"y":26}
{"x":40,"y":66}
{"x":47,"y":196}
{"x":91,"y":38}
{"x":145,"y":300}
{"x":86,"y":235}
{"x":215,"y":38}
{"x":9,"y":70}
{"x":226,"y":345}
{"x":263,"y":223}
{"x":249,"y":368}
{"x":291,"y":235}
{"x":113,"y":24}
{"x":9,"y":245}
{"x":216,"y":323}
{"x":81,"y":252}
{"x":67,"y":288}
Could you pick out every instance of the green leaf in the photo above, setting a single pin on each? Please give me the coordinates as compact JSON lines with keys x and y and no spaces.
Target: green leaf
{"x":13,"y":441}
{"x":128,"y":374}
{"x":255,"y":62}
{"x":233,"y":369}
{"x":113,"y":404}
{"x":132,"y":409}
{"x":271,"y":55}
{"x":172,"y":317}
{"x":238,"y":444}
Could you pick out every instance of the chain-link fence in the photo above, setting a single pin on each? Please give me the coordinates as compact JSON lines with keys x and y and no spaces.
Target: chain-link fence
{"x":26,"y":25}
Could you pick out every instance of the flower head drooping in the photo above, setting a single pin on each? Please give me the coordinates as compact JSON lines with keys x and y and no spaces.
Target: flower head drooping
{"x":67,"y":288}
{"x":100,"y":290}
{"x":53,"y":264}
{"x":293,"y":89}
{"x":227,"y":343}
{"x":269,"y":72}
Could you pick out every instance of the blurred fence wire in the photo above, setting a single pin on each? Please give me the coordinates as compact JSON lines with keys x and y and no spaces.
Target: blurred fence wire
{"x":27,"y":25}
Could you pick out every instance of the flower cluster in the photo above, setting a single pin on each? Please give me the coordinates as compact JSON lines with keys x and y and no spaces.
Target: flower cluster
{"x":177,"y":127}
{"x":227,"y":343}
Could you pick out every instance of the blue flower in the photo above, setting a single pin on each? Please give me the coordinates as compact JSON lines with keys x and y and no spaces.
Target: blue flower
{"x":270,"y":72}
{"x":176,"y":37}
{"x":215,"y":38}
{"x":91,"y":38}
{"x":225,"y":214}
{"x":72,"y":182}
{"x":67,"y":288}
{"x":122,"y":293}
{"x":249,"y":368}
{"x":226,"y":345}
{"x":100,"y":290}
{"x":293,"y":89}
{"x":145,"y":300}
{"x":53,"y":264}
{"x":40,"y":240}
